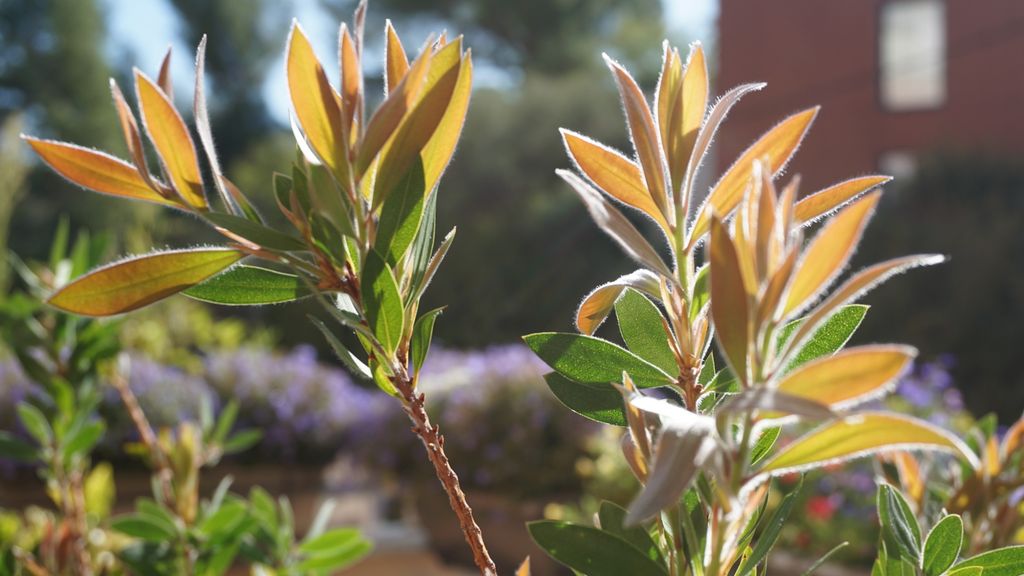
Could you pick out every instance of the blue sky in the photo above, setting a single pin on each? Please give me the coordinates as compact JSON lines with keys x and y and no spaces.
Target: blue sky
{"x":147,"y":27}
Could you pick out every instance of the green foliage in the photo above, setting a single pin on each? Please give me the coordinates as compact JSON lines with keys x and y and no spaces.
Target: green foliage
{"x":593,"y":551}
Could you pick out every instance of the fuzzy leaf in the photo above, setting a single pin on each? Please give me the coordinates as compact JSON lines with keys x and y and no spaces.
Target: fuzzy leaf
{"x":643,"y":330}
{"x":314,"y":101}
{"x":402,"y":97}
{"x":774,"y":402}
{"x":942,"y":546}
{"x":613,"y":518}
{"x":382,"y":301}
{"x":96,"y":171}
{"x":860,"y":435}
{"x":256,"y":233}
{"x":778,"y":144}
{"x":597,"y":402}
{"x":422,"y":333}
{"x":396,"y":62}
{"x":400,"y":215}
{"x":1002,"y":562}
{"x":598,"y":304}
{"x":851,"y":376}
{"x":900,"y":531}
{"x":814,"y":206}
{"x":591,"y":551}
{"x":356,"y":366}
{"x":694,"y":103}
{"x":829,"y":338}
{"x":829,"y":252}
{"x":171,"y":138}
{"x":730,"y":302}
{"x":770,"y":533}
{"x":593,"y":360}
{"x":249,"y":286}
{"x":142,"y":280}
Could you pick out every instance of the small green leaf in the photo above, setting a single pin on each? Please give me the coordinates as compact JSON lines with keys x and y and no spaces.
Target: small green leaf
{"x":591,"y":551}
{"x":249,"y":286}
{"x":333,"y":550}
{"x":35,"y":423}
{"x":256,"y":233}
{"x":770,"y":532}
{"x":593,"y":361}
{"x":942,"y":546}
{"x":350,"y":360}
{"x":16,"y":449}
{"x":422,"y":333}
{"x":382,"y":301}
{"x":900,"y":531}
{"x":84,"y":439}
{"x":242,"y":441}
{"x":142,"y":527}
{"x":599,"y":403}
{"x":224,"y":519}
{"x":764,"y":444}
{"x":330,"y":540}
{"x":613,"y":516}
{"x":329,"y":239}
{"x":967,"y":571}
{"x":701,"y":292}
{"x":642,"y":329}
{"x":1002,"y":562}
{"x":400,"y":215}
{"x":827,"y":339}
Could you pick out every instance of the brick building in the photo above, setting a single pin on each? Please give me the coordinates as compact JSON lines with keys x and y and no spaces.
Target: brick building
{"x":894,"y":77}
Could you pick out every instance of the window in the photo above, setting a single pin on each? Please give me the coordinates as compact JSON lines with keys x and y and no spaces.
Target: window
{"x":912,"y":54}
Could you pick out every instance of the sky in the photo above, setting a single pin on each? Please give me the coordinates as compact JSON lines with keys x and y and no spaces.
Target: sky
{"x":148,"y":27}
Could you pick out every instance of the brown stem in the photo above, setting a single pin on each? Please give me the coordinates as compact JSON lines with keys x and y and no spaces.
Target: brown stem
{"x":433,"y":442}
{"x":146,"y":435}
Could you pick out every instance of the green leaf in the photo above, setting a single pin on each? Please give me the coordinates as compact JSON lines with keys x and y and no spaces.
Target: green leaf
{"x":827,"y":339}
{"x":333,"y":550}
{"x":35,"y":423}
{"x":422,"y":333}
{"x":770,"y":532}
{"x":613,"y":516}
{"x":329,"y":239}
{"x":591,"y":551}
{"x":16,"y":449}
{"x":256,"y":233}
{"x":599,"y":403}
{"x":356,"y":366}
{"x":84,"y":439}
{"x":400,"y":215}
{"x":382,"y":301}
{"x":249,"y":286}
{"x":242,"y":441}
{"x":142,"y":280}
{"x":593,"y":361}
{"x":330,"y":540}
{"x":224,"y":519}
{"x":1002,"y":562}
{"x":764,"y":444}
{"x":642,"y":329}
{"x":701,"y":292}
{"x":142,"y":527}
{"x":824,"y":558}
{"x":942,"y":546}
{"x":900,"y":531}
{"x":967,"y":571}
{"x":423,"y":244}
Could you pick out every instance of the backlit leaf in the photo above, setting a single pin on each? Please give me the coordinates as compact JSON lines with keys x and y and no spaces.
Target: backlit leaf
{"x":643,"y":330}
{"x":314,"y":101}
{"x":597,"y":402}
{"x":613,"y":518}
{"x":96,"y":170}
{"x":942,"y":546}
{"x":851,"y":376}
{"x":593,"y":360}
{"x":255,"y":232}
{"x":1002,"y":562}
{"x":860,"y":435}
{"x":830,"y":337}
{"x":730,"y":302}
{"x":355,"y":365}
{"x":598,"y":304}
{"x":422,"y":333}
{"x":900,"y":531}
{"x":814,"y":206}
{"x":400,"y":215}
{"x":613,"y":173}
{"x":829,"y":252}
{"x":396,"y":62}
{"x":141,"y":280}
{"x":382,"y":301}
{"x":171,"y":138}
{"x":778,"y":144}
{"x":591,"y":551}
{"x":439,"y":149}
{"x":249,"y":286}
{"x":694,"y":102}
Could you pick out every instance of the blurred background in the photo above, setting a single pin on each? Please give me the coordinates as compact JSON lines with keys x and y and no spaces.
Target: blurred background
{"x":925,"y":90}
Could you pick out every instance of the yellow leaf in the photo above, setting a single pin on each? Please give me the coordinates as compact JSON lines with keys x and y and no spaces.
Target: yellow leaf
{"x":163,"y":78}
{"x":730,"y":301}
{"x":1012,"y":439}
{"x":695,"y":98}
{"x":816,"y":205}
{"x":829,"y":252}
{"x":315,"y":103}
{"x":850,"y":376}
{"x":910,"y":475}
{"x":351,"y":79}
{"x":644,"y":134}
{"x":96,"y":170}
{"x":613,"y":173}
{"x":136,"y":282}
{"x":778,"y":144}
{"x":130,"y":130}
{"x":441,"y":146}
{"x":598,"y":304}
{"x":992,"y":463}
{"x":668,"y":107}
{"x":396,"y":62}
{"x":524,"y":568}
{"x":860,"y":435}
{"x":172,"y":141}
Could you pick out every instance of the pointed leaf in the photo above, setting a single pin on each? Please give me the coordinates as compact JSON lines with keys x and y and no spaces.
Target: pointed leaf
{"x":613,"y":518}
{"x":382,"y":301}
{"x":815,"y":206}
{"x":315,"y":102}
{"x":356,"y":366}
{"x":396,"y":62}
{"x":942,"y":547}
{"x":643,"y":330}
{"x":141,"y":280}
{"x":598,"y":304}
{"x":770,"y":533}
{"x":593,"y":360}
{"x":422,"y":333}
{"x":851,"y":376}
{"x":96,"y":171}
{"x":774,"y":402}
{"x":172,"y":141}
{"x":860,"y":435}
{"x":400,"y":215}
{"x":600,"y":403}
{"x":591,"y":551}
{"x":254,"y":232}
{"x":900,"y":531}
{"x":730,"y":302}
{"x":829,"y":338}
{"x":694,"y":103}
{"x":249,"y":286}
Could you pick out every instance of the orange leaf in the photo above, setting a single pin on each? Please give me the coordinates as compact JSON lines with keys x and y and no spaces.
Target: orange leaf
{"x":163,"y":78}
{"x":778,"y":144}
{"x":850,"y":376}
{"x":315,"y":103}
{"x":613,"y":173}
{"x":439,"y":149}
{"x":172,"y":141}
{"x":644,"y":134}
{"x":730,"y":301}
{"x":132,"y":136}
{"x":139,"y":281}
{"x":829,"y":252}
{"x":351,"y":78}
{"x":396,"y":62}
{"x":668,"y":107}
{"x":96,"y":170}
{"x":598,"y":304}
{"x":816,"y":205}
{"x":695,"y":97}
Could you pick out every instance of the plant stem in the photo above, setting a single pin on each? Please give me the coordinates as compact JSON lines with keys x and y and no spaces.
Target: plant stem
{"x":433,"y":442}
